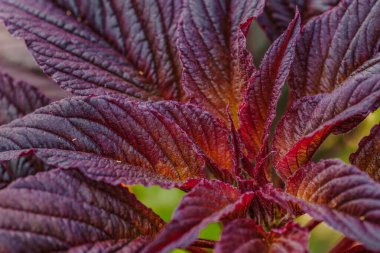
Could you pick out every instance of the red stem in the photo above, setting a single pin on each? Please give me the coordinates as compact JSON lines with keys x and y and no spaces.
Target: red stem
{"x":312,"y":224}
{"x":343,"y":245}
{"x":203,"y":243}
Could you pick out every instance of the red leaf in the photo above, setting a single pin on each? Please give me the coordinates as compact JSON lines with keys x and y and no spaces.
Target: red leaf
{"x":209,"y":201}
{"x":291,"y":238}
{"x":61,"y":209}
{"x":342,"y":196}
{"x":334,"y":54}
{"x":278,"y":13}
{"x":258,"y":110}
{"x":18,"y":99}
{"x":241,"y":235}
{"x":24,"y":165}
{"x":337,"y":45}
{"x":113,"y":139}
{"x":98,"y":168}
{"x":311,"y":119}
{"x":244,"y":236}
{"x":271,"y":213}
{"x":367,"y":157}
{"x":212,"y":49}
{"x":112,"y":246}
{"x":208,"y":132}
{"x":358,"y":249}
{"x":107,"y":47}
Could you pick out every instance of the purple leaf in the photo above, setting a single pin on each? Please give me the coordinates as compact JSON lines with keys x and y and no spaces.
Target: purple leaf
{"x":106,"y":47}
{"x":17,"y":61}
{"x":209,"y":201}
{"x":241,"y":235}
{"x":271,"y":213}
{"x":24,"y":165}
{"x":258,"y":110}
{"x":290,"y":238}
{"x":311,"y":119}
{"x":244,"y":236}
{"x":342,"y":196}
{"x":337,"y":45}
{"x":112,"y":246}
{"x":61,"y":209}
{"x":18,"y":99}
{"x":208,"y":132}
{"x":97,"y":167}
{"x":115,"y":139}
{"x":358,"y":249}
{"x":212,"y":49}
{"x":367,"y":157}
{"x":336,"y":55}
{"x":278,"y":13}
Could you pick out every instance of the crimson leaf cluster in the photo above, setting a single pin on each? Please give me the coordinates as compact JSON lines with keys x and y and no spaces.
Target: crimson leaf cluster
{"x":167,"y":94}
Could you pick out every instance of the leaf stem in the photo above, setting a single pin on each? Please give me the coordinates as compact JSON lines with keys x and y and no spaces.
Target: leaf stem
{"x":344,"y":244}
{"x":312,"y":224}
{"x":203,"y":243}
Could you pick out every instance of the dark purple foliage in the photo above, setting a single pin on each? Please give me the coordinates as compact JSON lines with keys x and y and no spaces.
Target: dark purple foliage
{"x":62,"y":209}
{"x":18,"y":99}
{"x":243,"y":235}
{"x":168,"y":95}
{"x":278,"y":13}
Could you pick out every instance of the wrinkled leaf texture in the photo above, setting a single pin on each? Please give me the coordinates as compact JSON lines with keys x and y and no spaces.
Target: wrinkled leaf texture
{"x":311,"y":119}
{"x":128,"y":48}
{"x":207,"y":202}
{"x":346,"y":52}
{"x":18,"y":98}
{"x":212,"y":45}
{"x":342,"y":196}
{"x":118,"y":141}
{"x":336,"y":46}
{"x":258,"y":110}
{"x":111,"y":246}
{"x":102,"y":47}
{"x":62,"y":209}
{"x":278,"y":13}
{"x":244,"y":236}
{"x":18,"y":62}
{"x":24,"y":165}
{"x":367,"y":156}
{"x":271,"y":213}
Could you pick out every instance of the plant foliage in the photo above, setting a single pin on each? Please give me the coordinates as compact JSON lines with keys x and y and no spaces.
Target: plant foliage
{"x":167,"y":94}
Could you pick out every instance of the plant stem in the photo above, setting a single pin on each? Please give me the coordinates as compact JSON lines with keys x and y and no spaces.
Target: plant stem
{"x":344,"y":244}
{"x":312,"y":224}
{"x":203,"y":243}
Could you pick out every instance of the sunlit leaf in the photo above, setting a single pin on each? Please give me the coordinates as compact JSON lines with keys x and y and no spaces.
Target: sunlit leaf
{"x":258,"y":110}
{"x":342,"y":196}
{"x":311,"y":119}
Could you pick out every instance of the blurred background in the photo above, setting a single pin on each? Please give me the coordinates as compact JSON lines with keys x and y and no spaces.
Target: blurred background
{"x":17,"y":61}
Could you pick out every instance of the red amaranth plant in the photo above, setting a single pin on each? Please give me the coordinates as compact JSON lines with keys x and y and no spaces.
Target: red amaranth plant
{"x":66,"y":166}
